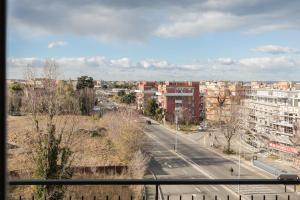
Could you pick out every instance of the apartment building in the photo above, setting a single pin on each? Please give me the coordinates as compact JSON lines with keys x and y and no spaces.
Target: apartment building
{"x":272,"y":111}
{"x":214,"y":91}
{"x":146,"y":90}
{"x":181,"y":99}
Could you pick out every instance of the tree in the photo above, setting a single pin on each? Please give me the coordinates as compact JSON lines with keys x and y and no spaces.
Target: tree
{"x":186,"y":116}
{"x":231,"y":123}
{"x":85,"y":93}
{"x":159,"y":114}
{"x":66,"y":97}
{"x":52,"y":139}
{"x":84,"y":82}
{"x":150,"y":107}
{"x":121,"y":93}
{"x":128,"y":98}
{"x":15,"y":94}
{"x":296,"y":136}
{"x":229,"y":115}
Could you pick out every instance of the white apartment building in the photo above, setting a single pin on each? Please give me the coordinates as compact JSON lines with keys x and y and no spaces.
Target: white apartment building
{"x":271,"y":115}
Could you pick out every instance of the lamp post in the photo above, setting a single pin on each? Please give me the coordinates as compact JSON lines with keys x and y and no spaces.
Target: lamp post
{"x":239,"y":172}
{"x":176,"y":122}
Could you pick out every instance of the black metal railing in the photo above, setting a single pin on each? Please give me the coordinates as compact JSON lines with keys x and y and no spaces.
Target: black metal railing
{"x":159,"y":182}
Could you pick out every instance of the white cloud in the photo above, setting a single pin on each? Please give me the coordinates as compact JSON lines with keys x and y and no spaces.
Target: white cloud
{"x":56,"y":44}
{"x":195,"y":23}
{"x":226,"y":61}
{"x":274,"y":49}
{"x":137,"y":20}
{"x":99,"y":67}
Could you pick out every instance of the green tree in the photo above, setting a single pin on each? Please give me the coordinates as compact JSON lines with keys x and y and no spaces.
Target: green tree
{"x":150,"y":107}
{"x":15,"y":98}
{"x":85,"y":93}
{"x":128,"y":98}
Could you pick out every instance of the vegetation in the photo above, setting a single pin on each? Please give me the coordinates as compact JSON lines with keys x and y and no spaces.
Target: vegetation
{"x":229,"y":116}
{"x":126,"y":135}
{"x":159,"y":114}
{"x":50,"y":152}
{"x":150,"y":108}
{"x":125,"y":86}
{"x":15,"y":94}
{"x":47,"y":135}
{"x":85,"y":94}
{"x":128,"y":98}
{"x":66,"y":97}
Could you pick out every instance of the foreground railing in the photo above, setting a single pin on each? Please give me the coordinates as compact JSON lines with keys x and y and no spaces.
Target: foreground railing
{"x":160,"y":182}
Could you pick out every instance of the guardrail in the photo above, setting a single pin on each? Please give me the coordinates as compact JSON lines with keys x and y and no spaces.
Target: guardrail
{"x":157,"y":182}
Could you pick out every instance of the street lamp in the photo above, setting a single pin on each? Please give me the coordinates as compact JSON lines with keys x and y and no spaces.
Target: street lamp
{"x":239,"y":172}
{"x":176,"y":122}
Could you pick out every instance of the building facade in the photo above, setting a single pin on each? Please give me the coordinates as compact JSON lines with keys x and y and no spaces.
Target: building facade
{"x":181,"y":99}
{"x":272,"y":112}
{"x":146,"y":90}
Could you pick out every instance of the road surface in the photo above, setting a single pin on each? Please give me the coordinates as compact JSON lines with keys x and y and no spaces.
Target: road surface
{"x":192,"y":160}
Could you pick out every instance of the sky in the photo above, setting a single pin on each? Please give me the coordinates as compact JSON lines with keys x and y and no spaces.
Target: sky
{"x":156,"y":40}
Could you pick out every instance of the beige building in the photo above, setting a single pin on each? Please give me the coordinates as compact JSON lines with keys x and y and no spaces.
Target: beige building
{"x":216,"y":92}
{"x":272,"y":112}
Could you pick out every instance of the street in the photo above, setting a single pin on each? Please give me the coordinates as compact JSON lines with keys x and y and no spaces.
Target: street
{"x":192,"y":160}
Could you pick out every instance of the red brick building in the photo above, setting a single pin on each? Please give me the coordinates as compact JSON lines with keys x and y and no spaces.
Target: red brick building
{"x":181,"y":98}
{"x":146,"y":90}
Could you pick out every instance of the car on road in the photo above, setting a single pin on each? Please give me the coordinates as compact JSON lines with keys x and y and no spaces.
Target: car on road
{"x":201,"y":128}
{"x":286,"y":176}
{"x":148,"y":122}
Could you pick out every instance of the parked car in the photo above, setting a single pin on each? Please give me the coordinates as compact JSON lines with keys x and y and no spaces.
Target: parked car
{"x":148,"y":122}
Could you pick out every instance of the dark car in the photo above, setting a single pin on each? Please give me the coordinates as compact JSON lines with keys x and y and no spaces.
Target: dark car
{"x":286,"y":176}
{"x":148,"y":121}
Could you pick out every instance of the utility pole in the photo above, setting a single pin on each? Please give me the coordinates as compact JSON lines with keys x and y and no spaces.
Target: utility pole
{"x":239,"y":174}
{"x":176,"y":122}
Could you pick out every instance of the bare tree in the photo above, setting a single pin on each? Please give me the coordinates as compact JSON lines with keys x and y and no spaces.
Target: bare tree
{"x":52,"y":131}
{"x":231,"y":124}
{"x":186,"y":116}
{"x":229,"y":115}
{"x":296,"y":136}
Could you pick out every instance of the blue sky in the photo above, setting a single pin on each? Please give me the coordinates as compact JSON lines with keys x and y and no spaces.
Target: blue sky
{"x":207,"y":39}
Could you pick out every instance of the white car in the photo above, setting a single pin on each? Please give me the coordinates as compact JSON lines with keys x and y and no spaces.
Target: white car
{"x":201,"y":128}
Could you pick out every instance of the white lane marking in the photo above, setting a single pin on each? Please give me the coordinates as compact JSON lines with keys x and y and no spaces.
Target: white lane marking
{"x":216,"y":189}
{"x":184,"y":171}
{"x":193,"y":164}
{"x":196,"y":188}
{"x":244,"y":165}
{"x":206,"y":188}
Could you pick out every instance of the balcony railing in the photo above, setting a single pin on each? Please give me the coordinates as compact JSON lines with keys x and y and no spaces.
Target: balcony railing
{"x":161,"y":182}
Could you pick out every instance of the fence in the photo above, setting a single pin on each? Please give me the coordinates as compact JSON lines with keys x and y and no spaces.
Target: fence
{"x":159,"y":182}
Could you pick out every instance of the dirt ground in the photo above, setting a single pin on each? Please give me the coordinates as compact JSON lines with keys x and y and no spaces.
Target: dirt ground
{"x":88,"y":150}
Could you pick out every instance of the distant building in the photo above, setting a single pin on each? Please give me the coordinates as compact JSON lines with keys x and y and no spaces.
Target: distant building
{"x":230,"y":92}
{"x":181,"y":99}
{"x":146,"y":90}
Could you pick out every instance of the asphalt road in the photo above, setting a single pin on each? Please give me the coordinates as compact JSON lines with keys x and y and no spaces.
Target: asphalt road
{"x":192,"y":160}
